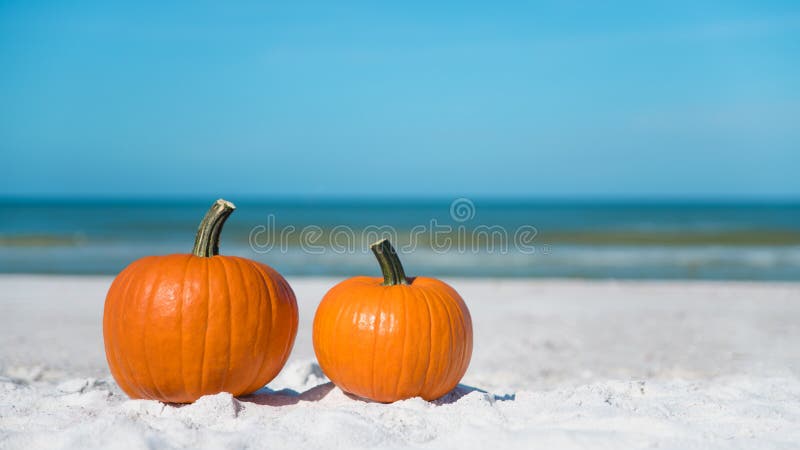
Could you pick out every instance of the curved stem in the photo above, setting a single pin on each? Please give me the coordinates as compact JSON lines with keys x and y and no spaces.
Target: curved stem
{"x":391,"y":267}
{"x":206,"y":242}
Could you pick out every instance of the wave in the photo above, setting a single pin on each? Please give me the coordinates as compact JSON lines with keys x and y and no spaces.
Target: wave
{"x":578,"y":240}
{"x":41,"y":240}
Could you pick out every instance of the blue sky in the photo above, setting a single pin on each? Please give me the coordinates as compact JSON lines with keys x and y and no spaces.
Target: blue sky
{"x":539,"y":99}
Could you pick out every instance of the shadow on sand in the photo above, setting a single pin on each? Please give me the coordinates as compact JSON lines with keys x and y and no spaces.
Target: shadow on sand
{"x":462,"y":390}
{"x":284,"y":397}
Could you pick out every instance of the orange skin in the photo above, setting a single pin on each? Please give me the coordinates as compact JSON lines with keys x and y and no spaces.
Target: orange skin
{"x":178,"y":327}
{"x":389,"y":343}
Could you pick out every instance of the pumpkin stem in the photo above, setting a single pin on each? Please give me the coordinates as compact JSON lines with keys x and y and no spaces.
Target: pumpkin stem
{"x":206,"y":242}
{"x":391,"y":267}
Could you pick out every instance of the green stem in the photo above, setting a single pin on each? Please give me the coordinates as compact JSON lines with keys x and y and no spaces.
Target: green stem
{"x":206,"y":242}
{"x":391,"y":267}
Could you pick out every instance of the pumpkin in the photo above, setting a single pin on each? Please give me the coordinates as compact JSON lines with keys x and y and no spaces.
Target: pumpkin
{"x":181,"y":326}
{"x":393,"y":338}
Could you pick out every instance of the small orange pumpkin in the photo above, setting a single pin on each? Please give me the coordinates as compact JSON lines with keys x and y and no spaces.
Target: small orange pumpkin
{"x":178,"y":327}
{"x":393,"y":338}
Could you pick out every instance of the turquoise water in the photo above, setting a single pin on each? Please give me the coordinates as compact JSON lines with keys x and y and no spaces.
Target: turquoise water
{"x":708,"y":240}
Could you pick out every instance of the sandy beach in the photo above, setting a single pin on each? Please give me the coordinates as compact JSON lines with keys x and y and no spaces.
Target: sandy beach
{"x":556,"y":364}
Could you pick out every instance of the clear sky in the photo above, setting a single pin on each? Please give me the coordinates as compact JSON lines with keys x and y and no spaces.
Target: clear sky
{"x":538,"y":99}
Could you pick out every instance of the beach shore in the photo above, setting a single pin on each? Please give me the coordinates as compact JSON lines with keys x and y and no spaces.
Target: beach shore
{"x":556,"y":364}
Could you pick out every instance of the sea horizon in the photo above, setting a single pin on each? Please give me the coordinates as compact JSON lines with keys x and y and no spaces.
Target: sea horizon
{"x":579,"y":238}
{"x":636,"y":200}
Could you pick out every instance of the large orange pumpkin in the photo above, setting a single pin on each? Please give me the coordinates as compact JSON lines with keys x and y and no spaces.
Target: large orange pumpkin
{"x":178,"y":327}
{"x":393,"y":338}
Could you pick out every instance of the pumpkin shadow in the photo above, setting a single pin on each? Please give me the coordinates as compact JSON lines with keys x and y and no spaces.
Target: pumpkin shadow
{"x":453,"y":396}
{"x":285,"y":397}
{"x":462,"y":390}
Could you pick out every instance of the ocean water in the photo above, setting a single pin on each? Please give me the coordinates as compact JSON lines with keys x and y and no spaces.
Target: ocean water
{"x":449,"y":237}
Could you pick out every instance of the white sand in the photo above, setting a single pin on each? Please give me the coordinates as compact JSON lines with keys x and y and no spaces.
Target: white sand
{"x":564,"y":364}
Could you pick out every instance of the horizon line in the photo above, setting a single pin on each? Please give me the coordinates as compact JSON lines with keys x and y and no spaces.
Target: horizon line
{"x":433,"y":200}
